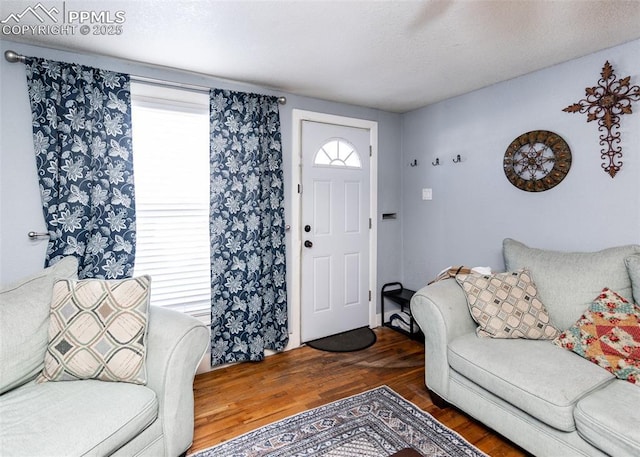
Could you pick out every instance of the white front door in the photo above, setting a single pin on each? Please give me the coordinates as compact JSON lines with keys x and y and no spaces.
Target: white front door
{"x":335,"y":229}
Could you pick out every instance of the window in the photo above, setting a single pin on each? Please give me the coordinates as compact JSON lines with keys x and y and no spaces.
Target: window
{"x":337,"y":153}
{"x":171,"y":163}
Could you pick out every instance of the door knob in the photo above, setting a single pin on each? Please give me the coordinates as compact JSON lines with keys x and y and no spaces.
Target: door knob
{"x":307,"y":228}
{"x":308,"y":244}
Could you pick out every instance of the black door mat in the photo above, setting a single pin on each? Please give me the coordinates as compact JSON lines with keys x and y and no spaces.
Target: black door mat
{"x":350,"y":341}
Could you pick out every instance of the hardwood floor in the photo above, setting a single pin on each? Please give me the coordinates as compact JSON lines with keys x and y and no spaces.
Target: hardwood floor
{"x":237,"y":399}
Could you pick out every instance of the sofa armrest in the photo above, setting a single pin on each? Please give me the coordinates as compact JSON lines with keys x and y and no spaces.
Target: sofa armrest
{"x":176,"y":344}
{"x":441,"y":311}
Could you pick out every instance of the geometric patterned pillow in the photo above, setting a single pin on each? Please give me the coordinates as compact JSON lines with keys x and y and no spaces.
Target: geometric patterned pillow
{"x":608,"y":334}
{"x":98,"y":330}
{"x":506,"y":305}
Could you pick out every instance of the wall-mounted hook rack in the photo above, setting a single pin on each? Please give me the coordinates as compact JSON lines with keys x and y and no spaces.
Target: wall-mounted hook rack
{"x":436,"y":163}
{"x":457,"y":159}
{"x":414,"y":163}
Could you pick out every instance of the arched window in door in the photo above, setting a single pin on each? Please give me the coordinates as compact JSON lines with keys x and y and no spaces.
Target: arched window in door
{"x":337,"y":153}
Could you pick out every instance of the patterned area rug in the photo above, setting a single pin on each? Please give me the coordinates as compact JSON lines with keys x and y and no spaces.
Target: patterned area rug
{"x":376,"y":423}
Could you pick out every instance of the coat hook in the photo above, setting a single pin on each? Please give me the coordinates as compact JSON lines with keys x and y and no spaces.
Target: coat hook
{"x":436,"y":163}
{"x":457,"y":159}
{"x":414,"y":163}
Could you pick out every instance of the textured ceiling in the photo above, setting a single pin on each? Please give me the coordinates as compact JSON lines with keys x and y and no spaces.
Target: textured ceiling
{"x":392,"y":55}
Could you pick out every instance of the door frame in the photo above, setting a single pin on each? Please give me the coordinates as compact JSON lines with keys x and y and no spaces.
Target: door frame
{"x":298,"y":116}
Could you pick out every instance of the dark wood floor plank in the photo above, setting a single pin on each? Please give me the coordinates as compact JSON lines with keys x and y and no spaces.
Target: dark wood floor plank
{"x":240,"y":398}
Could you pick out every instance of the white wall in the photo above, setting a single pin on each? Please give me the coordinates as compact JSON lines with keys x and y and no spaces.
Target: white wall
{"x":20,"y":209}
{"x":474,"y":206}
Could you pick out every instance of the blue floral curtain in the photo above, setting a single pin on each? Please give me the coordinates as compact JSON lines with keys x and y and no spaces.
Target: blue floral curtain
{"x":248,"y":286}
{"x":82,"y":139}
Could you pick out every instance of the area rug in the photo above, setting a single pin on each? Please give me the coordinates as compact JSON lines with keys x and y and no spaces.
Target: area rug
{"x":352,"y":340}
{"x":376,"y":423}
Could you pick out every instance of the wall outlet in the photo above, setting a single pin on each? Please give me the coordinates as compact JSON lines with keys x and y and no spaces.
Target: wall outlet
{"x":427,"y":194}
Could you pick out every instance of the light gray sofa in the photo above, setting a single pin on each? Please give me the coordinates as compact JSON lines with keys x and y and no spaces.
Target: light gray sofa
{"x":90,"y":417}
{"x":548,"y":400}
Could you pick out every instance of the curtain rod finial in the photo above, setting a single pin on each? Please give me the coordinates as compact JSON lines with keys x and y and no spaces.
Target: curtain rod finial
{"x":282,"y":100}
{"x":13,"y":57}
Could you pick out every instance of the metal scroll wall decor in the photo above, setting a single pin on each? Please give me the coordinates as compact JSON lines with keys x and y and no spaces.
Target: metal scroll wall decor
{"x":606,"y":102}
{"x":537,"y":161}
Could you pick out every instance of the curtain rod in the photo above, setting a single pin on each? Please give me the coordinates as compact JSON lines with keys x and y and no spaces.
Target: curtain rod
{"x":14,"y":57}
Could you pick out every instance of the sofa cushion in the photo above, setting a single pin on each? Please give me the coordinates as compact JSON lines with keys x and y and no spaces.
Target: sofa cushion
{"x":505,"y":305}
{"x":568,"y":281}
{"x":98,"y":330}
{"x":633,"y":268}
{"x":535,"y":376}
{"x":24,"y":320}
{"x":79,"y":418}
{"x":608,"y":334}
{"x":610,"y":419}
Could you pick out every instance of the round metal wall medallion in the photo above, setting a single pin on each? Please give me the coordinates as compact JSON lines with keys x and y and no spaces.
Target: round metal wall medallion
{"x":537,"y":161}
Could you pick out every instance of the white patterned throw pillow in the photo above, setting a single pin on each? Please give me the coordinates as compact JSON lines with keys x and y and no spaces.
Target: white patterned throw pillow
{"x":98,"y":330}
{"x":506,"y":305}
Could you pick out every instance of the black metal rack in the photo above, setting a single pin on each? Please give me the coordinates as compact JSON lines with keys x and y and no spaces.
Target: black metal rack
{"x":395,"y":292}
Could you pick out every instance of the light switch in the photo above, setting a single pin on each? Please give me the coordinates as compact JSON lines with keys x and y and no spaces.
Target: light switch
{"x":427,"y":194}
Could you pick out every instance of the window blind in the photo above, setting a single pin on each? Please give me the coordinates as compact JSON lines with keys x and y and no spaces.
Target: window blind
{"x":171,"y":169}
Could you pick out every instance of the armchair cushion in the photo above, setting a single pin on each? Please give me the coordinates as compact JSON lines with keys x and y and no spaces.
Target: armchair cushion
{"x":633,"y":268}
{"x":568,"y":281}
{"x":609,"y":418}
{"x":79,"y":418}
{"x":536,"y":376}
{"x":24,"y":320}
